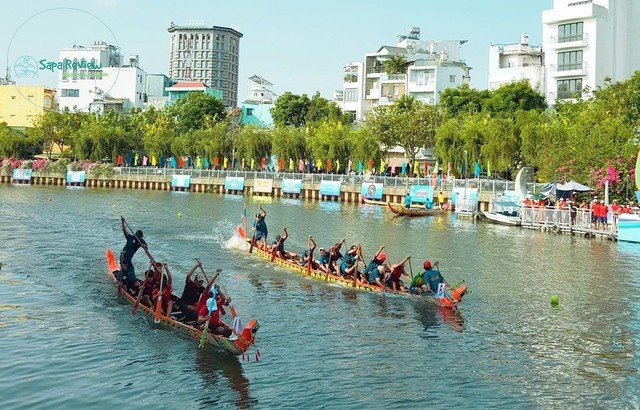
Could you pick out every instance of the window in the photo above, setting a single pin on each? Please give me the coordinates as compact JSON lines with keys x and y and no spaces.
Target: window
{"x":570,"y":32}
{"x":350,"y":94}
{"x":452,"y":78}
{"x":569,"y":89}
{"x":249,"y":112}
{"x":570,"y":60}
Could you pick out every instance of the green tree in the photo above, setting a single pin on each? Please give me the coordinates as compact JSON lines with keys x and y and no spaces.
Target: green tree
{"x":290,"y":110}
{"x":395,"y":65}
{"x":11,"y":142}
{"x":254,"y":143}
{"x":510,"y":98}
{"x":362,"y":146}
{"x":463,"y":100}
{"x":328,"y":141}
{"x":288,"y":143}
{"x":321,"y":109}
{"x":196,"y":110}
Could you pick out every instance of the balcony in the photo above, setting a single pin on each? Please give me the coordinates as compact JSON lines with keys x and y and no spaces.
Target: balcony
{"x":374,"y":94}
{"x":393,"y":78}
{"x":568,"y":70}
{"x":559,"y":43}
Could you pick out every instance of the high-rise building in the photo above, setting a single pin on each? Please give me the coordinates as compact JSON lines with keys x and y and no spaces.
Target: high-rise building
{"x":423,"y":69}
{"x":206,"y":54}
{"x":516,"y":62}
{"x":588,"y":41}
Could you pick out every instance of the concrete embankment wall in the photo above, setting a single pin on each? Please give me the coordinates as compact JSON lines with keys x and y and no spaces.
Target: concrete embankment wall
{"x":309,"y":191}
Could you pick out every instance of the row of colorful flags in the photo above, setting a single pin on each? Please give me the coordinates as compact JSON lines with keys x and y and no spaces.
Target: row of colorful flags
{"x":302,"y":165}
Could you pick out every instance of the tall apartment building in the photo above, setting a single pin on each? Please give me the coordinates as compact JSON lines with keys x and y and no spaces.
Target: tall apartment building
{"x":516,"y":62}
{"x":430,"y":68}
{"x":586,"y":41}
{"x":206,"y":54}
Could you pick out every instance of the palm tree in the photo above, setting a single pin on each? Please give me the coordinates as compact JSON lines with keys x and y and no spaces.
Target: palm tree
{"x":395,"y":65}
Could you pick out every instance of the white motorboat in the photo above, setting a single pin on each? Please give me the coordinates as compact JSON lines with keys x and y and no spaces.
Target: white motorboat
{"x":504,"y":212}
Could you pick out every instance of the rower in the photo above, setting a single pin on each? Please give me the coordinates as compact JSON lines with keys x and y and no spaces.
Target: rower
{"x":193,"y":289}
{"x":393,"y":278}
{"x":134,"y":242}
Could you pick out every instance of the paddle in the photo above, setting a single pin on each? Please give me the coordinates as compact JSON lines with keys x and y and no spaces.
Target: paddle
{"x":310,"y":250}
{"x":143,"y":246}
{"x":335,"y":249}
{"x":159,"y":301}
{"x":203,"y":272}
{"x":410,"y":269}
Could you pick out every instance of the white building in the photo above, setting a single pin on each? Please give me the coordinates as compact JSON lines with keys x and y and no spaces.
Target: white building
{"x":510,"y":63}
{"x":90,"y":76}
{"x":207,"y":54}
{"x":431,"y":67}
{"x":586,"y":41}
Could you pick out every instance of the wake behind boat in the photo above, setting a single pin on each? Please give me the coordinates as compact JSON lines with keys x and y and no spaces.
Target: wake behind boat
{"x":445,"y":300}
{"x":403,"y":211}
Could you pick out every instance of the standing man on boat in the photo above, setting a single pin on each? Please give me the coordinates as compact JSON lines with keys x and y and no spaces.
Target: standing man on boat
{"x":407,"y":201}
{"x":134,"y":242}
{"x":260,"y":226}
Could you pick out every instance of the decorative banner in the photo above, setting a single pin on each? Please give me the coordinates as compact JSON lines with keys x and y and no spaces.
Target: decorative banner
{"x":263,"y":185}
{"x":465,"y":200}
{"x":420,"y":193}
{"x":76,"y":177}
{"x":181,"y":181}
{"x":291,"y":186}
{"x":22,"y":174}
{"x":330,"y":188}
{"x":371,"y":190}
{"x":234,"y":183}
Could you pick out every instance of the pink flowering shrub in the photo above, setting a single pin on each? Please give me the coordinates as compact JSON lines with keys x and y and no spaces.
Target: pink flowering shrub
{"x":621,"y":174}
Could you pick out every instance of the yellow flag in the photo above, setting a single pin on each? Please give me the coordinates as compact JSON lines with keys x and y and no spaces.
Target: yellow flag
{"x":337,"y":165}
{"x":224,"y":163}
{"x":252,"y":163}
{"x":153,"y":161}
{"x":319,"y":164}
{"x":416,"y":168}
{"x":489,"y":168}
{"x":290,"y":164}
{"x":383,"y":166}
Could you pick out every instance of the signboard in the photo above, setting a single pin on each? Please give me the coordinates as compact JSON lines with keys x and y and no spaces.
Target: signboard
{"x":263,"y":185}
{"x":76,"y":177}
{"x":291,"y":186}
{"x":181,"y":181}
{"x":330,"y":188}
{"x":371,"y":190}
{"x":420,"y":193}
{"x":22,"y":174}
{"x":465,"y":200}
{"x":234,"y":183}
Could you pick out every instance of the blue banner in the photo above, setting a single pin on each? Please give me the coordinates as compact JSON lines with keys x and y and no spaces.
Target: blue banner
{"x":22,"y":174}
{"x":420,"y":193}
{"x":181,"y":181}
{"x":234,"y":183}
{"x":330,"y":188}
{"x":291,"y":186}
{"x":76,"y":177}
{"x":371,"y":190}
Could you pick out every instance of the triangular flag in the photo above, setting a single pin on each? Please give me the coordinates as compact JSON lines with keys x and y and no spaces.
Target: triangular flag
{"x":224,"y":162}
{"x":253,"y":163}
{"x":337,"y":165}
{"x":416,"y":168}
{"x":291,"y":165}
{"x":489,"y":168}
{"x":383,"y":166}
{"x":435,"y":169}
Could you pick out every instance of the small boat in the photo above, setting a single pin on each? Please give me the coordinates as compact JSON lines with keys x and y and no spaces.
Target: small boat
{"x":504,"y":212}
{"x":236,"y":344}
{"x":448,"y":301}
{"x":401,"y":210}
{"x":368,"y":201}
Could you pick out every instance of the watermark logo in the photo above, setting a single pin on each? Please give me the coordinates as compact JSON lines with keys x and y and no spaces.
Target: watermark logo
{"x":25,"y":67}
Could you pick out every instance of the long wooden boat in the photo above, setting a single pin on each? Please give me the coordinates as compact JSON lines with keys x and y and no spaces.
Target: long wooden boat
{"x":236,"y":345}
{"x":450,"y":301}
{"x":401,"y":210}
{"x":368,"y":201}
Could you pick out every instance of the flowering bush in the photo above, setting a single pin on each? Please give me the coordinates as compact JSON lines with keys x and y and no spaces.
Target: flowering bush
{"x":57,"y":167}
{"x":620,"y":173}
{"x":8,"y":165}
{"x":40,"y":164}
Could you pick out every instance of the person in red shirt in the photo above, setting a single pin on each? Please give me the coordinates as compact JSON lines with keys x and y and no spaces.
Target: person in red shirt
{"x":212,"y":309}
{"x":392,"y":278}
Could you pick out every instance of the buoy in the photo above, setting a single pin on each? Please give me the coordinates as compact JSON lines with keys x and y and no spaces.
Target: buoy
{"x":113,"y":206}
{"x":49,"y":199}
{"x":555,"y":300}
{"x":179,"y":214}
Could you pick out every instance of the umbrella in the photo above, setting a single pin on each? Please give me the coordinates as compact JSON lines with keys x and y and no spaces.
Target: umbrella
{"x":567,"y":190}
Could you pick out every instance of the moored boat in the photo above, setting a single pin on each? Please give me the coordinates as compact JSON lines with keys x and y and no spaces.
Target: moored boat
{"x":449,"y":300}
{"x":237,"y":344}
{"x":504,"y":212}
{"x":368,"y":201}
{"x":401,"y":210}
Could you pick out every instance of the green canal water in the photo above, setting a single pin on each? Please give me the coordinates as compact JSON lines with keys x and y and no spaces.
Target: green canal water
{"x":66,"y":342}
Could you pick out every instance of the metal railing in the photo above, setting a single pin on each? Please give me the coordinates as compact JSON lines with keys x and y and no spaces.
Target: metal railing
{"x":486,"y":186}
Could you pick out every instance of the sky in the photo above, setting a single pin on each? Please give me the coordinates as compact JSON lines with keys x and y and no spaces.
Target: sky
{"x":300,"y":46}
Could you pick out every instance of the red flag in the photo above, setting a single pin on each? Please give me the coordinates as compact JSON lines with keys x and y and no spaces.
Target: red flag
{"x":216,"y":162}
{"x":281,"y":165}
{"x":328,"y":165}
{"x":262,"y":163}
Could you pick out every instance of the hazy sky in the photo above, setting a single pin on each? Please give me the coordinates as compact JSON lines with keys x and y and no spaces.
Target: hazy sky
{"x":299,"y":45}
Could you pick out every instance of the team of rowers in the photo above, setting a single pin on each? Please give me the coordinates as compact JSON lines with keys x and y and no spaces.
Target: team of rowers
{"x":378,"y":271}
{"x":198,"y":303}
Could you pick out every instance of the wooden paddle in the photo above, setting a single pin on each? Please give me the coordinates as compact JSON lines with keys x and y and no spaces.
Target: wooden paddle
{"x":310,"y":254}
{"x":159,"y":300}
{"x":410,"y":269}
